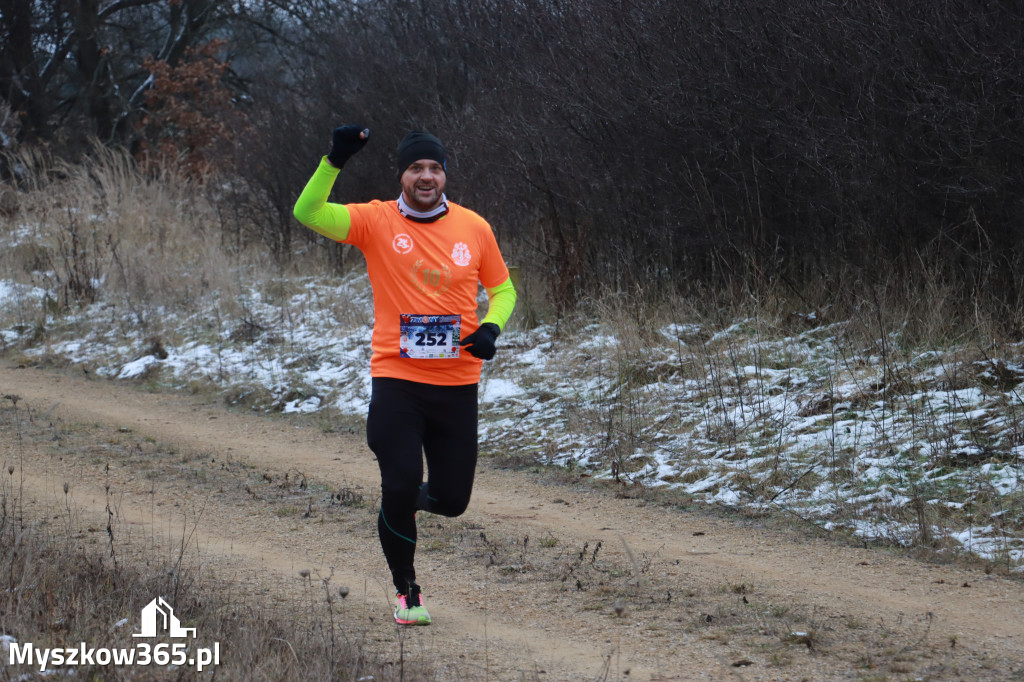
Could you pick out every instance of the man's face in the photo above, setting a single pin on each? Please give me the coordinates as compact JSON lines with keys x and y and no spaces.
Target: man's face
{"x":423,"y":184}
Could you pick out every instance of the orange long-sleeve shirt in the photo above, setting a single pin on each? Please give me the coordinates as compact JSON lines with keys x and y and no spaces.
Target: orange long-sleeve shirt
{"x":416,"y":269}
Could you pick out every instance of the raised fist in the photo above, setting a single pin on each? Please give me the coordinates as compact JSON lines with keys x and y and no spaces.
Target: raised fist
{"x":346,"y":141}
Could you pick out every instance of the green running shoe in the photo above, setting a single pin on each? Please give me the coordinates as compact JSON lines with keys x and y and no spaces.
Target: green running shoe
{"x":409,"y":609}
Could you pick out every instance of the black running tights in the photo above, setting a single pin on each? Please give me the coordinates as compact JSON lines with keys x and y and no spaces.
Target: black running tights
{"x":408,"y":421}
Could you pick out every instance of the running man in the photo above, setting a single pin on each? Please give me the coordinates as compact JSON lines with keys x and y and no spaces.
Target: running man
{"x":426,"y":258}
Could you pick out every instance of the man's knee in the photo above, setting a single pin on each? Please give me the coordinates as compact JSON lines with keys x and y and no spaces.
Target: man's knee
{"x":449,"y":505}
{"x":401,"y":490}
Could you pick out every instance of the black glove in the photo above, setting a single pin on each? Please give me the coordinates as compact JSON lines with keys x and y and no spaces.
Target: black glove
{"x":346,"y":141}
{"x":482,"y":341}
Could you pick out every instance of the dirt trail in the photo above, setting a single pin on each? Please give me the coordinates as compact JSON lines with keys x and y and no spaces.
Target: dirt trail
{"x":947,"y":621}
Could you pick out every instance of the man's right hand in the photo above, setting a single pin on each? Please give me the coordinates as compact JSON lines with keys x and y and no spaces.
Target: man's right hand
{"x":346,"y":141}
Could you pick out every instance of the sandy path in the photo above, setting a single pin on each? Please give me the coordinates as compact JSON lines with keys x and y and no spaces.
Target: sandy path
{"x":983,"y":615}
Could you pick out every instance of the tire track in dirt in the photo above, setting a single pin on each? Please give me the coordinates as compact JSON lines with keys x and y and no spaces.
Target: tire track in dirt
{"x":872,"y":586}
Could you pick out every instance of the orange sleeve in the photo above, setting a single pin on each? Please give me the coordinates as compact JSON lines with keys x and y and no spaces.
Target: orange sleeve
{"x":493,"y":270}
{"x":363,"y":217}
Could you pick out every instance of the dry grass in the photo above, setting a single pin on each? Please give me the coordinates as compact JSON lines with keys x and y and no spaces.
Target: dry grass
{"x":103,"y":232}
{"x":56,"y":594}
{"x":779,"y":405}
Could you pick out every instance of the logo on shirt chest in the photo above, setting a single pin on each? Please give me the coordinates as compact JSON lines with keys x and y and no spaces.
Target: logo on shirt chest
{"x":461,"y":254}
{"x":402,"y":243}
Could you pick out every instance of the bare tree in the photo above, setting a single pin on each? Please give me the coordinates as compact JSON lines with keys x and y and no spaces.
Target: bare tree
{"x":615,"y":144}
{"x":74,"y":69}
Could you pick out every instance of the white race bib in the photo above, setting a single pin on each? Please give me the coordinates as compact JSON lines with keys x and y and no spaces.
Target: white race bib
{"x":429,"y":337}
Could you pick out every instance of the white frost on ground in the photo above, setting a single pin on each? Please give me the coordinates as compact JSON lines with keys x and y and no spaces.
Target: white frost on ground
{"x":801,"y":423}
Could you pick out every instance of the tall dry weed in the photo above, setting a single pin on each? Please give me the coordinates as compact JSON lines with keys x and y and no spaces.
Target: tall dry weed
{"x":140,"y":245}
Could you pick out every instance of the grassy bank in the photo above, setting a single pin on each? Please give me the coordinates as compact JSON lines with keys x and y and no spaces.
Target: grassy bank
{"x":892,"y":413}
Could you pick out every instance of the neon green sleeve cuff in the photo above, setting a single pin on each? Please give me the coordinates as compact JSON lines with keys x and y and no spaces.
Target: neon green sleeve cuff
{"x":501,"y":302}
{"x":312,"y":209}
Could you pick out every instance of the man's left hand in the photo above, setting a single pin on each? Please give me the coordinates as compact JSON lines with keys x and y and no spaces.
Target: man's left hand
{"x":481,"y":342}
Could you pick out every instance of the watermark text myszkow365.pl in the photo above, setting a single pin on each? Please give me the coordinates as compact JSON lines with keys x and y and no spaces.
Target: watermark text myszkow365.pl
{"x":163,"y":654}
{"x":157,"y":618}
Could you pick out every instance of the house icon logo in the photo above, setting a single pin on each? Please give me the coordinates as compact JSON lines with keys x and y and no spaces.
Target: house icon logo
{"x":158,"y":615}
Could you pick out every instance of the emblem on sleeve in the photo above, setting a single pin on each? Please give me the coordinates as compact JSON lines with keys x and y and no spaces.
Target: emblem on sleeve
{"x":461,"y":254}
{"x":402,"y":243}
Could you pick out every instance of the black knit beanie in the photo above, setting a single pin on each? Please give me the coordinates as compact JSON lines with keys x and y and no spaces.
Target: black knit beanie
{"x":418,"y":145}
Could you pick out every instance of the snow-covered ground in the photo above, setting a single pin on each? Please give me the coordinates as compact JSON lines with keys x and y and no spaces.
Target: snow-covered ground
{"x":926,"y":448}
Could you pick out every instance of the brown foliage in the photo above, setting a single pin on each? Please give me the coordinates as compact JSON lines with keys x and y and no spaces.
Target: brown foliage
{"x":190,"y":119}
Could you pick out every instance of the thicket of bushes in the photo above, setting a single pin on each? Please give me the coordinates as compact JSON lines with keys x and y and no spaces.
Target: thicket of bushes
{"x":834,"y":149}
